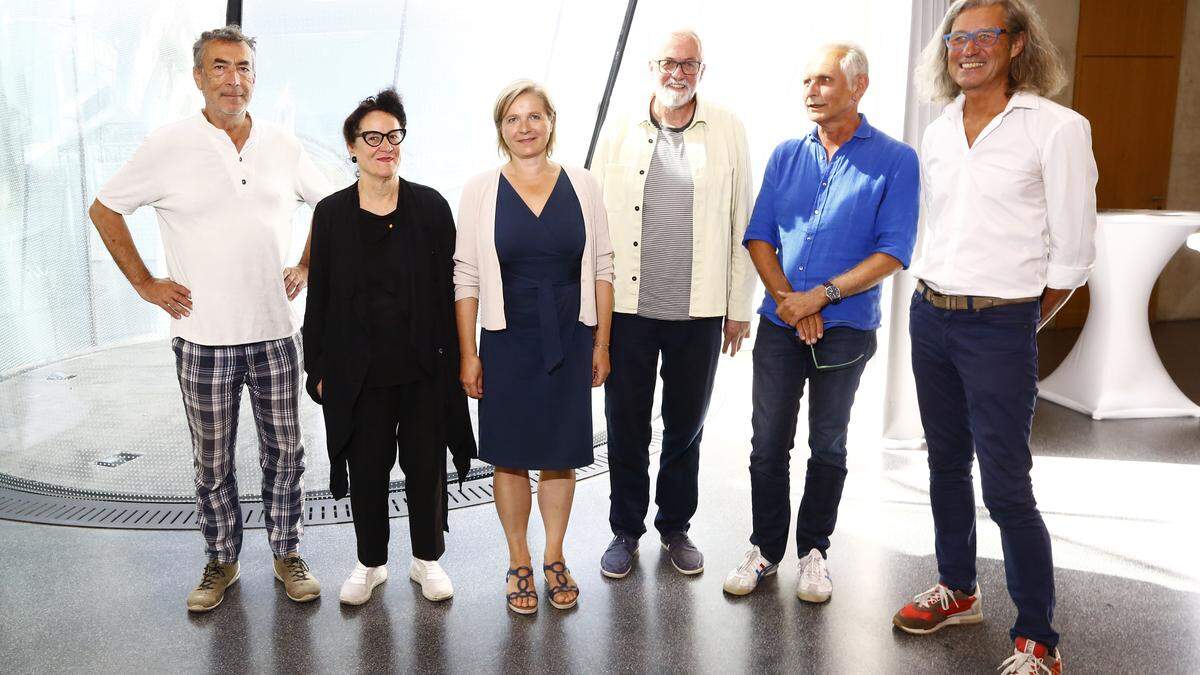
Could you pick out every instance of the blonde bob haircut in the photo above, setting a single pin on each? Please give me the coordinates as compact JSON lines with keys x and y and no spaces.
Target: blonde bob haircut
{"x":508,"y":96}
{"x":1037,"y":69}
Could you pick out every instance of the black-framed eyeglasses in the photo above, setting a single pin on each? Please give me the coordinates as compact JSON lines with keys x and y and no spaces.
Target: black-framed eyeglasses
{"x":374,"y":138}
{"x":668,"y":66}
{"x":984,"y":37}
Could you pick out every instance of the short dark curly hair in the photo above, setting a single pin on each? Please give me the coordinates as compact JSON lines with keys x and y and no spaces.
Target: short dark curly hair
{"x":387,"y":101}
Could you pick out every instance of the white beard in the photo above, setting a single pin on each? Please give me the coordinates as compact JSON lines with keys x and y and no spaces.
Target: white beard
{"x":673,"y":98}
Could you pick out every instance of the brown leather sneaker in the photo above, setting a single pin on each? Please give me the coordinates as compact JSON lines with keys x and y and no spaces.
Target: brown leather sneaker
{"x":213,"y":582}
{"x":298,"y":582}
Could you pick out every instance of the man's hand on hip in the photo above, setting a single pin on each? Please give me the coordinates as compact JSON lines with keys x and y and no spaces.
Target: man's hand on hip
{"x":175,"y":299}
{"x":294,"y":280}
{"x":735,"y":332}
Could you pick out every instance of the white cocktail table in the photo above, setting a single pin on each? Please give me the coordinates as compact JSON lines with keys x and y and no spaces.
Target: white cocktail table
{"x":1114,"y":370}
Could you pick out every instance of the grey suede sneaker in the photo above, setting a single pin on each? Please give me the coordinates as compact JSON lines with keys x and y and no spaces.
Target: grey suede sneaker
{"x":211,"y":590}
{"x":617,"y":561}
{"x":684,"y":555}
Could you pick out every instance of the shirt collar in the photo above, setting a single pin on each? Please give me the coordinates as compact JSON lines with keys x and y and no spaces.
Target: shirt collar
{"x":1021,"y":99}
{"x":699,"y":117}
{"x":212,"y":130}
{"x":864,"y":130}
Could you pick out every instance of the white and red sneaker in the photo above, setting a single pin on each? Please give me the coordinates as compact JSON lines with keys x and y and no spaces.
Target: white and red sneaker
{"x":939,"y":607}
{"x":1032,"y":658}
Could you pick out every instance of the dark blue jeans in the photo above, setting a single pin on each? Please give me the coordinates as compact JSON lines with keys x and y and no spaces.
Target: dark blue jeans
{"x":689,"y":365}
{"x":976,"y":375}
{"x":782,"y":364}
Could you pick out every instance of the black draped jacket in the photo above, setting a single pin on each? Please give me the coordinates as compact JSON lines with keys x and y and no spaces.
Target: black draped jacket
{"x":336,"y":340}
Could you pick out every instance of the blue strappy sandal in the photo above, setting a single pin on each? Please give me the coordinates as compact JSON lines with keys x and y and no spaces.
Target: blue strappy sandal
{"x":563,"y":586}
{"x":524,"y":589}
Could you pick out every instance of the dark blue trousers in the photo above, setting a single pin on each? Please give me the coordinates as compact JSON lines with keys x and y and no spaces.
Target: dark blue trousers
{"x":689,"y":366}
{"x":976,"y":374}
{"x":782,"y":364}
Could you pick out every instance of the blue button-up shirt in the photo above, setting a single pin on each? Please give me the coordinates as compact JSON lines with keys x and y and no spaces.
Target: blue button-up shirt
{"x":826,"y":216}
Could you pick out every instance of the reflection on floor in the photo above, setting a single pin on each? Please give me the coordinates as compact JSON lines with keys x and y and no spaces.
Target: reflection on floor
{"x":1119,"y":497}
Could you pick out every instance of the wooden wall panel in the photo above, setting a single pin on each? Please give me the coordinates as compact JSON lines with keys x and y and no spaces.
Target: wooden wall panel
{"x":1131,"y":27}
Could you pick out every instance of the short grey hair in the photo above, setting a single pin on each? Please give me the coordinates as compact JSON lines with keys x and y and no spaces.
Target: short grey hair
{"x":230,"y":33}
{"x":1038,"y":69}
{"x":689,"y":34}
{"x":853,"y":61}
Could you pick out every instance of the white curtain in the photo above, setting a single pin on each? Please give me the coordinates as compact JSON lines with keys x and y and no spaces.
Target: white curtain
{"x":901,"y":420}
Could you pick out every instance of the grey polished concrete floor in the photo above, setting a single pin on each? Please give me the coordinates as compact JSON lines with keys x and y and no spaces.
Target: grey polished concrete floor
{"x":1119,"y":498}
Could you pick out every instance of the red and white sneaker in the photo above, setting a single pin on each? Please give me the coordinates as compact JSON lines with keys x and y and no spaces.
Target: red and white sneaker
{"x":939,"y":607}
{"x":1032,"y":658}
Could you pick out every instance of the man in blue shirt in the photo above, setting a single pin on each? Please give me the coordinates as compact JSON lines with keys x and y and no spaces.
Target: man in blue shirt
{"x":837,"y":214}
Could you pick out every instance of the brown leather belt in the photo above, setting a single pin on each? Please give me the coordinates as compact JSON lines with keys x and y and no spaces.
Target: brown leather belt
{"x":965,"y":302}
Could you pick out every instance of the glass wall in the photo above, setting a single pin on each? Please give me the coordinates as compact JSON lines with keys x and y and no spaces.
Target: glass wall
{"x":80,"y":87}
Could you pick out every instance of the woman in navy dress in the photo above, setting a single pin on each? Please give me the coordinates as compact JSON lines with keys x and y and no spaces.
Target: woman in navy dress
{"x":544,"y":342}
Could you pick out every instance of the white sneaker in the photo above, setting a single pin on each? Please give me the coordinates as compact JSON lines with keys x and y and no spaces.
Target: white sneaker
{"x":362,"y":581}
{"x":435,"y":583}
{"x":745,"y":577}
{"x":814,"y":584}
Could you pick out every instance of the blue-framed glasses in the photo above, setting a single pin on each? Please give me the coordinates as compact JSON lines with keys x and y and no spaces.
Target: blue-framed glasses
{"x":984,"y":38}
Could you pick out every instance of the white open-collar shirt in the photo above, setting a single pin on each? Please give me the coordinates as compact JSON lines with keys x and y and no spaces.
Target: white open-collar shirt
{"x":226,"y":222}
{"x":1015,"y":212}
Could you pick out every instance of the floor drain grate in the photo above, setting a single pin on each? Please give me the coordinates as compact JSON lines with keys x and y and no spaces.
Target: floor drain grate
{"x":34,"y":502}
{"x":118,"y":459}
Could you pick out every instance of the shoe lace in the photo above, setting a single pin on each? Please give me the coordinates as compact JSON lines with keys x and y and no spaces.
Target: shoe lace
{"x":938,"y":594}
{"x":750,"y":563}
{"x":1024,"y":663}
{"x":359,"y":575}
{"x":297,"y":568}
{"x":433,"y":570}
{"x":212,"y":572}
{"x":815,"y":569}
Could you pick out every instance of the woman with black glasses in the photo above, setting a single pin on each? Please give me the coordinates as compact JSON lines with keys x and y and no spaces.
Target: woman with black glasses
{"x":381,"y":350}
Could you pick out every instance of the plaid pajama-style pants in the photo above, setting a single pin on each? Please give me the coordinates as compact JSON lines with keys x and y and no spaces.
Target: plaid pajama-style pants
{"x":211,"y":379}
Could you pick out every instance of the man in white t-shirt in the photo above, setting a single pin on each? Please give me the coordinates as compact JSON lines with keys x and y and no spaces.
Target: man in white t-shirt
{"x":224,"y":188}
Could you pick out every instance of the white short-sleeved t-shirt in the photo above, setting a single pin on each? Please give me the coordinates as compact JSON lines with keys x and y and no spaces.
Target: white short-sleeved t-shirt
{"x":226,"y":222}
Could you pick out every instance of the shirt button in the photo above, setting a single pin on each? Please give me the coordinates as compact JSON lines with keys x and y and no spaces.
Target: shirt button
{"x":635,"y":243}
{"x":635,"y":278}
{"x":390,"y":227}
{"x":637,"y":208}
{"x":649,"y":140}
{"x":239,"y":159}
{"x":808,"y":238}
{"x":817,"y":212}
{"x":801,"y":269}
{"x":243,"y":181}
{"x":824,"y":184}
{"x":642,"y":172}
{"x":441,"y":350}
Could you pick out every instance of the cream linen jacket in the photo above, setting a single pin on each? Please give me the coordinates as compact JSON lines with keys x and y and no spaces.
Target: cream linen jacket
{"x":477,"y":266}
{"x":723,"y":276}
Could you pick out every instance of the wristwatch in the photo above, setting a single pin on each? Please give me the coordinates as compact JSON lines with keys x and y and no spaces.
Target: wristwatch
{"x":832,"y":292}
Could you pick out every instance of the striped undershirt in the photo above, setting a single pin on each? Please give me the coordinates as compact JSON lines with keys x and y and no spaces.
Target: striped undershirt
{"x":664,"y":291}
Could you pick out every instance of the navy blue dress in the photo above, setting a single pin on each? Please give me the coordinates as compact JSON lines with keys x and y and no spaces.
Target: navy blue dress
{"x":536,"y":410}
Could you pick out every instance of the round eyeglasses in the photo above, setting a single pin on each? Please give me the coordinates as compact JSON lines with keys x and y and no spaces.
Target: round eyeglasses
{"x":374,"y":138}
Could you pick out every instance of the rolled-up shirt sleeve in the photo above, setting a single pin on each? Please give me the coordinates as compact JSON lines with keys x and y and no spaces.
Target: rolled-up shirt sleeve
{"x":1069,"y":175}
{"x":896,"y":224}
{"x":762,"y":226}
